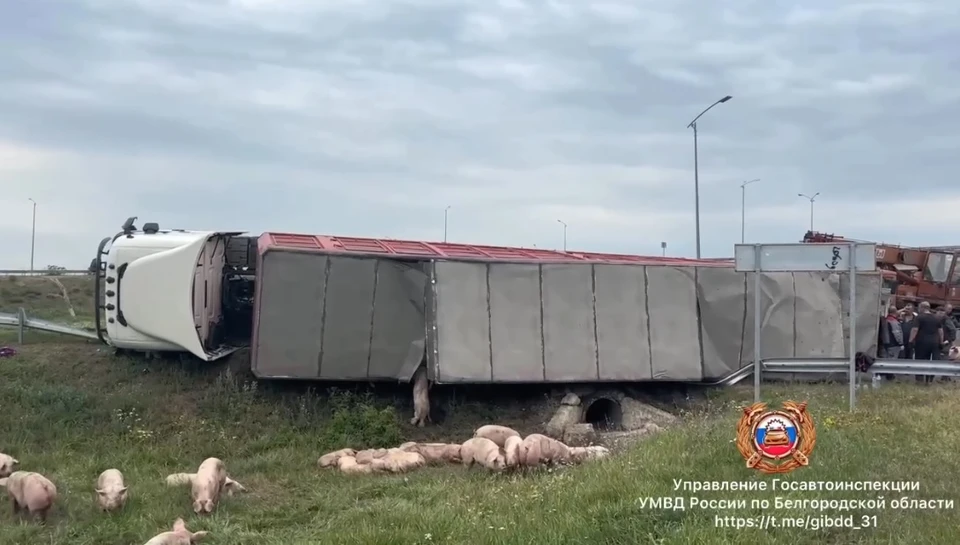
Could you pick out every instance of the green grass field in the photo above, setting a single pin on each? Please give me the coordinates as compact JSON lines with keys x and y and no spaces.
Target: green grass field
{"x":42,"y":297}
{"x":71,"y":410}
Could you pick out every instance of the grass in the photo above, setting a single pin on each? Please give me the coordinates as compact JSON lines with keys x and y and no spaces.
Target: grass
{"x":72,"y":410}
{"x":42,"y":298}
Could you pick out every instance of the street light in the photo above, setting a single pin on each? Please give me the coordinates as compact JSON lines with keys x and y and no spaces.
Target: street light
{"x":564,"y":235}
{"x":445,"y":211}
{"x":811,"y":199}
{"x":696,"y":166}
{"x":33,"y":232}
{"x":743,"y":208}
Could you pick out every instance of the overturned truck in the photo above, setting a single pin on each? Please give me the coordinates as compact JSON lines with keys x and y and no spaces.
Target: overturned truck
{"x":352,"y":309}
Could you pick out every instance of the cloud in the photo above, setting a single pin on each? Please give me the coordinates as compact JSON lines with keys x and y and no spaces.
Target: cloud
{"x":370,"y":117}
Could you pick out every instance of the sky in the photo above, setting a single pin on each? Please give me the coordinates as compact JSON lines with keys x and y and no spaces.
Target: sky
{"x":371,"y":117}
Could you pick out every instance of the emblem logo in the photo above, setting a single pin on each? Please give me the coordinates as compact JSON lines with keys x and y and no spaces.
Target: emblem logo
{"x":779,"y":441}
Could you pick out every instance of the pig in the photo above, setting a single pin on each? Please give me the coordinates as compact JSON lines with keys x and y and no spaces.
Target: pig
{"x":179,"y":536}
{"x":482,"y":451}
{"x":179,"y":479}
{"x":537,"y":449}
{"x":8,"y":464}
{"x":31,"y":492}
{"x":421,"y":401}
{"x":367,"y":456}
{"x":511,"y":451}
{"x":207,"y":485}
{"x":111,"y":491}
{"x":330,"y":459}
{"x":232,"y":487}
{"x":349,"y":465}
{"x":398,"y":462}
{"x":497,"y":434}
{"x":583,"y":454}
{"x":434,"y":453}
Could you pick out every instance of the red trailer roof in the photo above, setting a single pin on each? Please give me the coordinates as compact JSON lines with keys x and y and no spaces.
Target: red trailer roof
{"x":466,"y":252}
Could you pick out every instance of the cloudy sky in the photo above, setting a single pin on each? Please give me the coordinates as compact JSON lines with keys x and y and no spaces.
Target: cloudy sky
{"x":370,"y":117}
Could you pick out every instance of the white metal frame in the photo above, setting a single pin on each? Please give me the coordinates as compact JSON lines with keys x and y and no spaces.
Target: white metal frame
{"x":840,"y":258}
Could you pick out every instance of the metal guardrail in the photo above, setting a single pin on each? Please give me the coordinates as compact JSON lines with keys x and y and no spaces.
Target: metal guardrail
{"x":841,"y":366}
{"x":44,"y":272}
{"x":880,"y":367}
{"x":22,"y":322}
{"x":733,"y":378}
{"x":801,"y":366}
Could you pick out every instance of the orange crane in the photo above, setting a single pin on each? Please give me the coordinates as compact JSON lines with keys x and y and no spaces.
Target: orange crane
{"x":913,"y":275}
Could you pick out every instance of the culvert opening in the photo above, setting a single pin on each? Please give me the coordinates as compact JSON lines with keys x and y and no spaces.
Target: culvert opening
{"x":605,"y":414}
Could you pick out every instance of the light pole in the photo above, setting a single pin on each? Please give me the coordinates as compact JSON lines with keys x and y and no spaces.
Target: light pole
{"x":743,"y":208}
{"x":33,"y":232}
{"x":696,"y":167}
{"x":564,"y":235}
{"x":811,"y":199}
{"x":445,"y":213}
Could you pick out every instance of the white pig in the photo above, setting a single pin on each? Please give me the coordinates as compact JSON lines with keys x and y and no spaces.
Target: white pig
{"x":229,"y":485}
{"x":483,"y":451}
{"x":434,"y":453}
{"x":421,"y":400}
{"x":207,"y":485}
{"x":511,"y":451}
{"x":583,"y":454}
{"x":495,"y":433}
{"x":371,"y":454}
{"x":179,"y":536}
{"x":536,"y":449}
{"x":232,"y":486}
{"x":8,"y":464}
{"x":111,"y":491}
{"x":180,"y":479}
{"x":349,"y":465}
{"x":398,"y":462}
{"x":330,"y":459}
{"x":31,"y":492}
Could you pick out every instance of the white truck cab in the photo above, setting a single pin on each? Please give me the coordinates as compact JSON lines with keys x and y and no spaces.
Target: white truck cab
{"x":163,"y":291}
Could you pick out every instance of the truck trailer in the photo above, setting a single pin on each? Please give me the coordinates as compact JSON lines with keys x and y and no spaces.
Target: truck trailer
{"x":321,"y":307}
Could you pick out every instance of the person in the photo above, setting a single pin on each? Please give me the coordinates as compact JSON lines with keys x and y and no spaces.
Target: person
{"x":926,"y":336}
{"x":891,"y":335}
{"x":906,"y":324}
{"x":949,"y":324}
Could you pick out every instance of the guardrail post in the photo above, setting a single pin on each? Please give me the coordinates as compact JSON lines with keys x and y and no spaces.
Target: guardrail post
{"x":852,"y":321}
{"x":21,"y":324}
{"x":757,"y":324}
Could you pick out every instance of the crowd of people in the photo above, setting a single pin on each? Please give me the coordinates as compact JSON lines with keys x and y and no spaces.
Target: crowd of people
{"x":922,"y":334}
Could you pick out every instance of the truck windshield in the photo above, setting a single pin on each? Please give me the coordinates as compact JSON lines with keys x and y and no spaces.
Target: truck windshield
{"x":938,"y":267}
{"x":889,"y":285}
